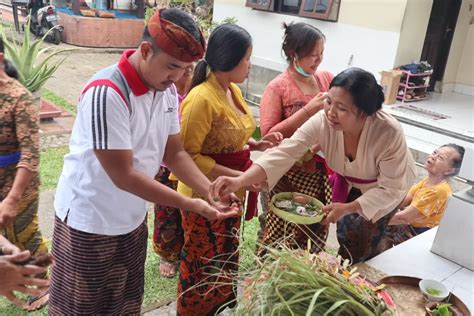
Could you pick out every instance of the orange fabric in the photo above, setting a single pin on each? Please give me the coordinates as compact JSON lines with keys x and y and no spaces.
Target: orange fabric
{"x":430,"y":201}
{"x":209,"y":262}
{"x":174,"y":40}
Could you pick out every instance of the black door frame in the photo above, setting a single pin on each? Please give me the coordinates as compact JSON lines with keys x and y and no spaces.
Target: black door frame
{"x":439,"y":36}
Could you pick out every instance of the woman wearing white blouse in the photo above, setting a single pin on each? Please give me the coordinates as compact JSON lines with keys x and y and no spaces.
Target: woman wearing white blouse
{"x":366,"y":149}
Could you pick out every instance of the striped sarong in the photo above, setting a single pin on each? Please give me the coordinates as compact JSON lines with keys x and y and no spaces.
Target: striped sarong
{"x":97,"y":274}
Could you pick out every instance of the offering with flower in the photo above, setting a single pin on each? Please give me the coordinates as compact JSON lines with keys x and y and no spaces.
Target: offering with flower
{"x":289,"y":282}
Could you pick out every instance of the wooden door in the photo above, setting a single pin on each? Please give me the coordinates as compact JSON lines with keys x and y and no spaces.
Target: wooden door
{"x":439,"y":35}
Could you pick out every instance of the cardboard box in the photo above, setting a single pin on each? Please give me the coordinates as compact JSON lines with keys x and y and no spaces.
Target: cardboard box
{"x":390,"y":82}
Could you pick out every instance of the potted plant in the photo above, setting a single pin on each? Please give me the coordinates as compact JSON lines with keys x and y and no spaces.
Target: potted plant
{"x":33,"y":62}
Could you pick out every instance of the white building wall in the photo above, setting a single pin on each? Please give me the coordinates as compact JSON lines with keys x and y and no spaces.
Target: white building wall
{"x":346,"y":45}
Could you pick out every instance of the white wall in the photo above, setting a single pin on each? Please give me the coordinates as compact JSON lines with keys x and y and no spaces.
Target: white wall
{"x":373,"y":50}
{"x":384,"y":15}
{"x":465,"y":73}
{"x":465,"y":76}
{"x":413,"y":32}
{"x":460,"y":38}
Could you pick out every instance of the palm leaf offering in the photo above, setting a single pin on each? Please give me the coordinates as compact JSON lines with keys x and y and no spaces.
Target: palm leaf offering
{"x":289,"y":282}
{"x":297,"y":208}
{"x":300,"y":208}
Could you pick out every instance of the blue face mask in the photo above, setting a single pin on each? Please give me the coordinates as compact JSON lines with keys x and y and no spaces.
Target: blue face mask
{"x":299,"y":69}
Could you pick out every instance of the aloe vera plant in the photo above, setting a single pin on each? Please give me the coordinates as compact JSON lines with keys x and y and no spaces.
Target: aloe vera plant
{"x":33,"y":62}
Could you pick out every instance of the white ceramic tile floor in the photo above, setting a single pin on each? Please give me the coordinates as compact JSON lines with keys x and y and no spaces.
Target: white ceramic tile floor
{"x":460,"y":111}
{"x":458,"y":107}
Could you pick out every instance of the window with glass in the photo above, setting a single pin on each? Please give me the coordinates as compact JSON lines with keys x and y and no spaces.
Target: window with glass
{"x":318,"y":9}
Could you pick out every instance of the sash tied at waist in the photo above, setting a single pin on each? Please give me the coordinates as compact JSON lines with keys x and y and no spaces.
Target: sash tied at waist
{"x":239,"y":160}
{"x":340,"y":186}
{"x":7,"y":160}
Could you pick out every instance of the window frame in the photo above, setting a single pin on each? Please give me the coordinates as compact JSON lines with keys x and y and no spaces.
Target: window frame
{"x":333,"y":9}
{"x":268,"y":7}
{"x":313,"y":14}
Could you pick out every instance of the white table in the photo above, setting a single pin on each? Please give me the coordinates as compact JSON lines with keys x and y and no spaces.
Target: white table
{"x":414,"y":258}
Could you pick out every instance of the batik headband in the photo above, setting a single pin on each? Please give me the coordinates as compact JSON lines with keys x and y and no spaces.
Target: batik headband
{"x":175,"y":40}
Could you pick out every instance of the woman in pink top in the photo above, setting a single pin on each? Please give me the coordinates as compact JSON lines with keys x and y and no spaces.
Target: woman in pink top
{"x":288,"y":101}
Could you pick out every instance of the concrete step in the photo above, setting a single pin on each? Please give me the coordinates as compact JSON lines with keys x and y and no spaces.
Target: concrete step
{"x":48,"y":110}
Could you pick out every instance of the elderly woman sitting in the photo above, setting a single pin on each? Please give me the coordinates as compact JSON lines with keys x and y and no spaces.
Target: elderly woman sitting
{"x":425,"y":203}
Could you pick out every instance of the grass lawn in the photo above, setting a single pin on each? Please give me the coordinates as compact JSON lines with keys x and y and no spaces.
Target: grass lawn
{"x":157,"y":288}
{"x":51,"y":164}
{"x":59,"y":101}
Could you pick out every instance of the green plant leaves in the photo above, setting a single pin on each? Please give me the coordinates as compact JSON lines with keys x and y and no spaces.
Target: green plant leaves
{"x":33,"y":63}
{"x":296,"y":282}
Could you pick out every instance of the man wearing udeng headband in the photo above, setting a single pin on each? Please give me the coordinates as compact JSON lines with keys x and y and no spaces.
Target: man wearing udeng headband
{"x":127,"y":124}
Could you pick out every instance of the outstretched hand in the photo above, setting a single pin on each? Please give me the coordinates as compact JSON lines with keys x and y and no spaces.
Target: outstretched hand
{"x":205,"y":209}
{"x":225,"y":203}
{"x":7,"y":248}
{"x":334,"y":212}
{"x":8,"y":212}
{"x":258,"y":187}
{"x":268,"y":141}
{"x":224,"y":186}
{"x":317,"y":102}
{"x":20,"y":278}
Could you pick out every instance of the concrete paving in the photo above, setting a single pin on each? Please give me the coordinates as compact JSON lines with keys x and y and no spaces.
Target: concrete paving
{"x":77,"y":69}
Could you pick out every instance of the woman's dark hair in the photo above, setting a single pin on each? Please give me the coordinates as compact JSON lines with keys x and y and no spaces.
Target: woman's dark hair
{"x":227,"y":45}
{"x":457,"y":161}
{"x":10,"y":69}
{"x":366,"y":93}
{"x":300,"y":38}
